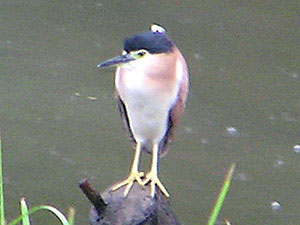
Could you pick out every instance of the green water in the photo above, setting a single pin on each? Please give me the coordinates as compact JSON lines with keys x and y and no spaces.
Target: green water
{"x":243,"y":58}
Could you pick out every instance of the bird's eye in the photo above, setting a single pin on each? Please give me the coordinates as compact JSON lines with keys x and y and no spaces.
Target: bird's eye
{"x":141,"y":53}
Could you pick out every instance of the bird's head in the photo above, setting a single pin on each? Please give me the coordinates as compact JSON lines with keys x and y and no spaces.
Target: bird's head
{"x":141,"y":46}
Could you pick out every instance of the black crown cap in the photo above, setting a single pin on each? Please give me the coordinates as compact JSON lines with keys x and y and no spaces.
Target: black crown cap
{"x":153,"y":42}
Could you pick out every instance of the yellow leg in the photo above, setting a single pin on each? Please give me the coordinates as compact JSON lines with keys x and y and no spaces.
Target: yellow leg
{"x":134,"y":175}
{"x":152,"y":175}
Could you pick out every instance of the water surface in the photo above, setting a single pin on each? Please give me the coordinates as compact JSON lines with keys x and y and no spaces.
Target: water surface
{"x":60,"y":123}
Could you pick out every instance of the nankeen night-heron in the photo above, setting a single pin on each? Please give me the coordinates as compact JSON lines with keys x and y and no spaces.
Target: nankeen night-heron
{"x":151,"y":88}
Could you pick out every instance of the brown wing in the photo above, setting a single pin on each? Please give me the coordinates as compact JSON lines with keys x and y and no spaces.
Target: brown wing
{"x":175,"y":113}
{"x":124,"y":116}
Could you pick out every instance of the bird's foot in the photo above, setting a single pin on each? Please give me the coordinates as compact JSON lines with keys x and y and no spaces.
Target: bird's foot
{"x":133,"y":176}
{"x":151,"y":176}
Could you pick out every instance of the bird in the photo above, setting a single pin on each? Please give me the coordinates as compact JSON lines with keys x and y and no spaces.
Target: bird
{"x":151,"y":85}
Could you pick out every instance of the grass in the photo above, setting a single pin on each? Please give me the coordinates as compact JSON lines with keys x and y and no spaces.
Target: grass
{"x":25,"y":212}
{"x":2,"y":220}
{"x":216,"y":210}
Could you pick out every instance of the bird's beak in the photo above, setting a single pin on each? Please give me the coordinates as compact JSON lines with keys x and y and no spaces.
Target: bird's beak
{"x":117,"y":61}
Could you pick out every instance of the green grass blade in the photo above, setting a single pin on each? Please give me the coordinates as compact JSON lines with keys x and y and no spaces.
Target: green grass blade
{"x":57,"y":213}
{"x":24,"y":212}
{"x":53,"y":210}
{"x":20,"y":218}
{"x":227,"y":222}
{"x":222,"y":195}
{"x":71,"y":216}
{"x":2,"y":220}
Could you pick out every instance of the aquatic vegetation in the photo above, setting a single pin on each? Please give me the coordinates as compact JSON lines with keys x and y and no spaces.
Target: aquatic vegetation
{"x":25,"y":212}
{"x":221,"y":197}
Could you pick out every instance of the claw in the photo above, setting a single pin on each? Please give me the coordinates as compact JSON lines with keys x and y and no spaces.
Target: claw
{"x":155,"y":181}
{"x":134,"y":176}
